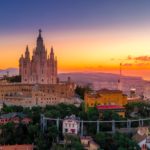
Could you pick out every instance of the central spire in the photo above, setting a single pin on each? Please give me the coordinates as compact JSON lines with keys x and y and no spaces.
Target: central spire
{"x":40,"y":45}
{"x":40,"y":31}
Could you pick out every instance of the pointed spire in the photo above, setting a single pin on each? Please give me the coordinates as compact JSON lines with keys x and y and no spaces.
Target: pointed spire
{"x":27,"y":48}
{"x":27,"y":53}
{"x":40,"y":31}
{"x":40,"y":46}
{"x":40,"y":35}
{"x":52,"y":50}
{"x":52,"y":54}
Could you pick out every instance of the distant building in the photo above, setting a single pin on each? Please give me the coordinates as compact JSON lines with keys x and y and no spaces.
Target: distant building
{"x":40,"y":68}
{"x":133,"y":97}
{"x":28,"y":95}
{"x":142,"y":137}
{"x":15,"y":118}
{"x":17,"y":147}
{"x":146,"y":93}
{"x":106,"y":99}
{"x":39,"y":83}
{"x":71,"y":125}
{"x":88,"y":143}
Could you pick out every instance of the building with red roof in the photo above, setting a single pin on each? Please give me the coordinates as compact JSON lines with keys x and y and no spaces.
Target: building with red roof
{"x":106,"y":100}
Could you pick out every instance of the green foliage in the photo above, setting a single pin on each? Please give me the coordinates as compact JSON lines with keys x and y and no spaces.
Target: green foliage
{"x":142,"y":108}
{"x":81,"y":91}
{"x":73,"y":143}
{"x":60,"y":111}
{"x":9,"y":109}
{"x":20,"y":134}
{"x":111,"y":115}
{"x":92,"y":114}
{"x":13,"y":78}
{"x":117,"y":141}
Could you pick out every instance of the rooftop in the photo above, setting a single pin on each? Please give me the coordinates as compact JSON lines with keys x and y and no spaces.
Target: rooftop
{"x":72,"y":117}
{"x":109,"y":107}
{"x":11,"y":115}
{"x":17,"y":147}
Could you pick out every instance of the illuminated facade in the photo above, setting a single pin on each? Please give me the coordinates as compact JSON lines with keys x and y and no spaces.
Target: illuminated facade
{"x":114,"y":99}
{"x":41,"y":68}
{"x":39,"y":83}
{"x":28,"y":95}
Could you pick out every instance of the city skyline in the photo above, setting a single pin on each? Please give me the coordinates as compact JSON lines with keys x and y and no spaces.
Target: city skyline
{"x":87,"y":36}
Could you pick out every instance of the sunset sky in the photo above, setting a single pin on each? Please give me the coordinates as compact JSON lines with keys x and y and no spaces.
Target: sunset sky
{"x":87,"y":35}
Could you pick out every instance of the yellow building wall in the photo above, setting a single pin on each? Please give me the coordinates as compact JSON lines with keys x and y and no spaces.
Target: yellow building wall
{"x":105,"y":99}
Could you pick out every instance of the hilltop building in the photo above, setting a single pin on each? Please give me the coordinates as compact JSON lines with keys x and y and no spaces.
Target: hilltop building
{"x":71,"y":125}
{"x":106,"y":100}
{"x":39,"y":83}
{"x":142,"y":137}
{"x":41,"y":68}
{"x":89,"y":143}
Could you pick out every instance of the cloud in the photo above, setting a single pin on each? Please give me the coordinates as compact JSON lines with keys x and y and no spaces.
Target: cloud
{"x":139,"y":58}
{"x":129,"y":58}
{"x":127,"y":64}
{"x":143,"y":58}
{"x":142,"y":64}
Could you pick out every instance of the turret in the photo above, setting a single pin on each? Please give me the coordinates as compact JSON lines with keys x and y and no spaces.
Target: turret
{"x":20,"y":64}
{"x":55,"y":66}
{"x":52,"y":54}
{"x":27,"y":53}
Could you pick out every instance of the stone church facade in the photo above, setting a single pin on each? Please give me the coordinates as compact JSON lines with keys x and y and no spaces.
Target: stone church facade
{"x":39,"y":83}
{"x":41,"y":68}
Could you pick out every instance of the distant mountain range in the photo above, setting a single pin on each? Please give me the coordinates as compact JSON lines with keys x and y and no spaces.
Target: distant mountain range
{"x":9,"y":71}
{"x":94,"y":77}
{"x":76,"y":76}
{"x":101,"y":80}
{"x":96,"y":81}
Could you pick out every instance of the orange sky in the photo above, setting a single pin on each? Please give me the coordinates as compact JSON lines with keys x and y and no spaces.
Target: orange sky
{"x":86,"y":50}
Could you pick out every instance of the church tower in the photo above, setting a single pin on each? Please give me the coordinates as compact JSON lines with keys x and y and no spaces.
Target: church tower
{"x":40,"y":69}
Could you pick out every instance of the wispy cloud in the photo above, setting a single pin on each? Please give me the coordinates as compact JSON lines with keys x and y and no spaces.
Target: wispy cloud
{"x":127,"y":64}
{"x":139,"y":58}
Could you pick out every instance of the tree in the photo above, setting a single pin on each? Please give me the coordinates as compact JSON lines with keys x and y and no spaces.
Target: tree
{"x":111,"y":115}
{"x":41,"y":143}
{"x":73,"y":143}
{"x":92,"y":114}
{"x":81,"y":91}
{"x":117,"y":141}
{"x":12,"y":79}
{"x":142,"y":109}
{"x":52,"y":133}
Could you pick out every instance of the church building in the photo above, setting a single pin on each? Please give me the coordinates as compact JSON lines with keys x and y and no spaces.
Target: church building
{"x":41,"y":67}
{"x":39,"y":84}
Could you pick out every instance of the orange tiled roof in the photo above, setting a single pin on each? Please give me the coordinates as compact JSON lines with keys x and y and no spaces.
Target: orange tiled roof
{"x":17,"y":147}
